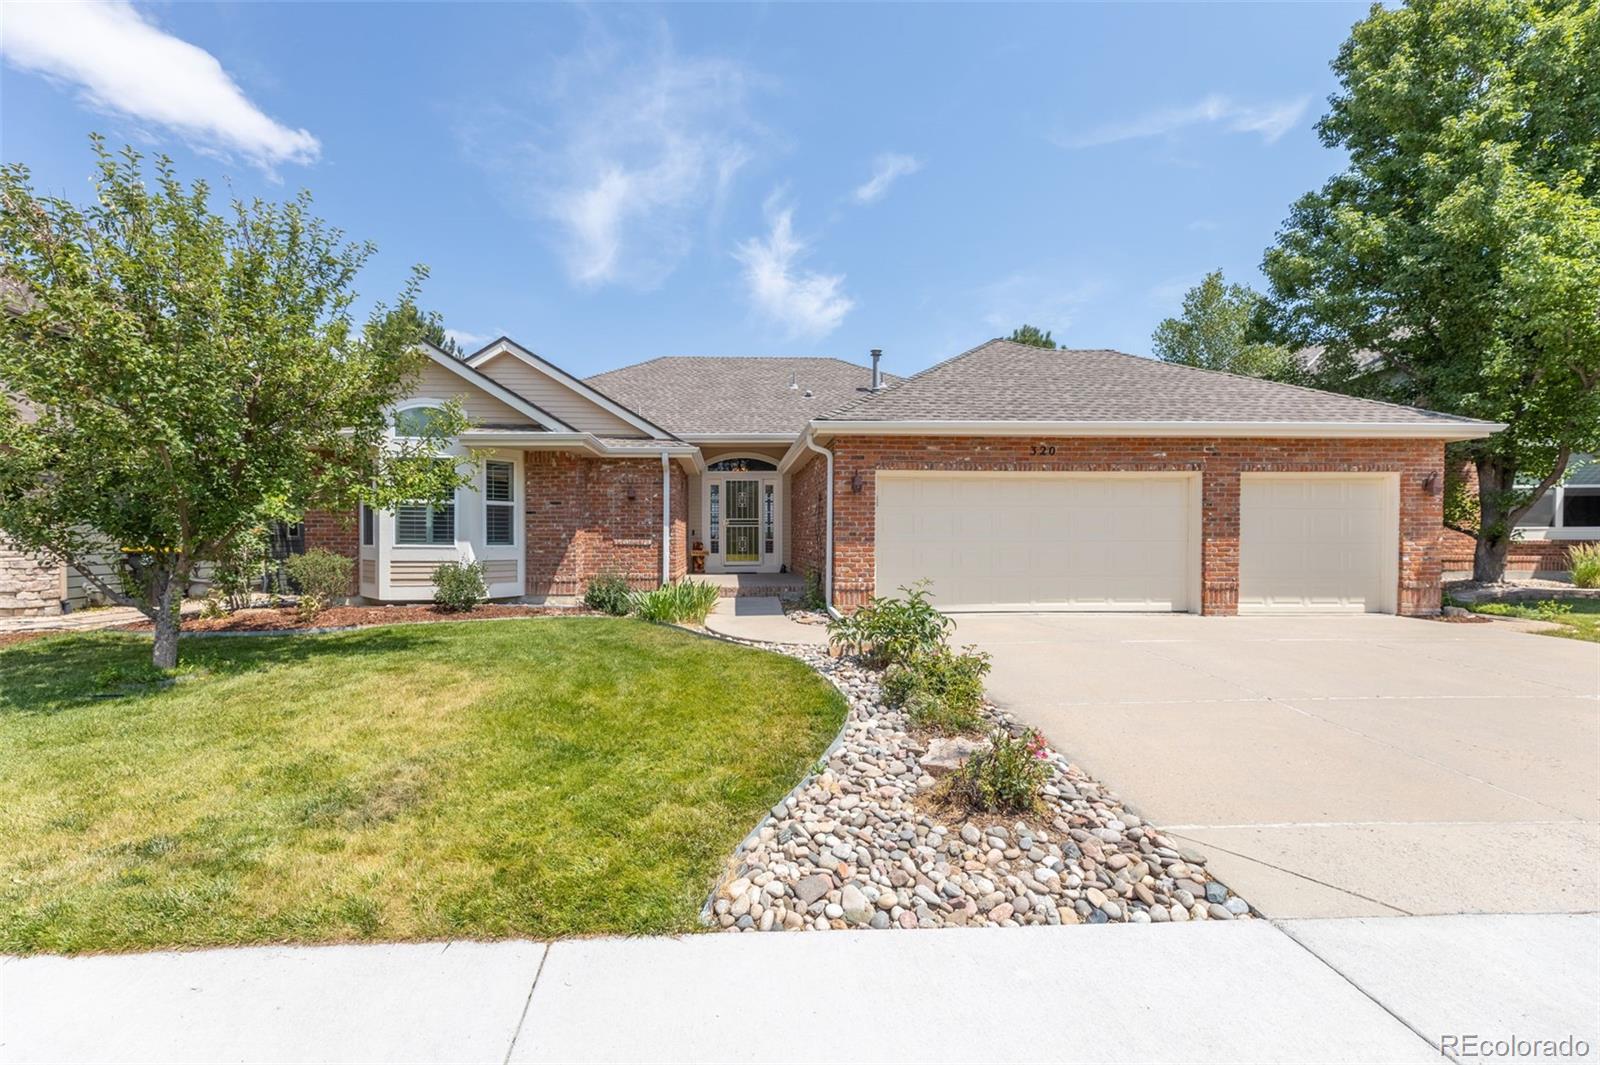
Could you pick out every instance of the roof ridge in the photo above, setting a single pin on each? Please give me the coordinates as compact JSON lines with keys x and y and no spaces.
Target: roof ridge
{"x":871,"y":396}
{"x":1281,"y":384}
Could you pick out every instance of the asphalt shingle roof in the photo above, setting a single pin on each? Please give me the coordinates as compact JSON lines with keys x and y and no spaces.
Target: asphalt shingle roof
{"x":703,"y":394}
{"x":1005,"y":381}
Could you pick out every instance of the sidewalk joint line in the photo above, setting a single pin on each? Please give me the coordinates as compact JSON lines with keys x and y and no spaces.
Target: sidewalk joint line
{"x":1295,"y":873}
{"x":1365,"y":993}
{"x":526,"y":1003}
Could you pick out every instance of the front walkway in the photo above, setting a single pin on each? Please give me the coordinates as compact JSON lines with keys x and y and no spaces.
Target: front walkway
{"x":105,"y":617}
{"x":761,"y":618}
{"x":1376,"y":989}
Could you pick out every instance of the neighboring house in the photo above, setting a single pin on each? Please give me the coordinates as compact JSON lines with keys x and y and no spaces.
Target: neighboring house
{"x":1568,"y":515}
{"x":1013,"y":477}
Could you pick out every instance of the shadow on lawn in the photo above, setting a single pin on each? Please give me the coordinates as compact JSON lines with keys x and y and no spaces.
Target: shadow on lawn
{"x":58,"y":673}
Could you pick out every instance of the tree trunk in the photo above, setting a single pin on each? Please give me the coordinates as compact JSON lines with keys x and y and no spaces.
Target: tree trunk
{"x":167,"y":598}
{"x":1495,"y":482}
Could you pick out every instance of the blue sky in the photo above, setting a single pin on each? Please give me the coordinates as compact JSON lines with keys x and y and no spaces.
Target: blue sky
{"x":607,"y":184}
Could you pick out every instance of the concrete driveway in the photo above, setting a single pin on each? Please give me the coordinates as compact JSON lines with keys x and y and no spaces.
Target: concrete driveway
{"x":1332,"y":766}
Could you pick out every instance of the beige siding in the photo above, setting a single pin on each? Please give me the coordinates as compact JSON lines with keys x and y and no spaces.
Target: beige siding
{"x":412,"y":573}
{"x":437,"y":382}
{"x":500,"y":570}
{"x":548,"y":394}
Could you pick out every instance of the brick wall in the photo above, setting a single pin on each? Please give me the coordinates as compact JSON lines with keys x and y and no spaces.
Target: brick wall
{"x":337,"y":532}
{"x":28,"y":587}
{"x":680,"y":523}
{"x":580,"y":521}
{"x":808,"y":517}
{"x":1220,"y":461}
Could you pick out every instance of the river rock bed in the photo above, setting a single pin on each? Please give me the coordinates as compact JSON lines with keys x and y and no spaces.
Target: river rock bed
{"x":852,"y":848}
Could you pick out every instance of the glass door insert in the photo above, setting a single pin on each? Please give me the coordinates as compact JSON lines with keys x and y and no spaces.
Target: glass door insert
{"x":742,"y":522}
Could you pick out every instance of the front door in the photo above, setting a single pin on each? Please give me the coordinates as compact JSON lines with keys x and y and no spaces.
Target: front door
{"x":743,"y":523}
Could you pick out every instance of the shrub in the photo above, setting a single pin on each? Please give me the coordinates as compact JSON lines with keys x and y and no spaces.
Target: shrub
{"x":685,"y":600}
{"x":1584,"y":560}
{"x":237,"y":574}
{"x":941,"y":690}
{"x":812,"y":598}
{"x":459,"y":585}
{"x":322,"y":577}
{"x":607,"y":593}
{"x":887,"y":631}
{"x":1006,"y":777}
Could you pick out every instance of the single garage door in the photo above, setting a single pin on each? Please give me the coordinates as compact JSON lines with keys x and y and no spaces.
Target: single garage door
{"x":1027,"y":541}
{"x":1318,"y":543}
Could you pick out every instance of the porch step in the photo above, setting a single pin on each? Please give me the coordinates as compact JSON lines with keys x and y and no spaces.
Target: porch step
{"x":737,"y":585}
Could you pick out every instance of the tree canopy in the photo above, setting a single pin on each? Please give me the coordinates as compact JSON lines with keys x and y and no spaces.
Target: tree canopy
{"x":177,"y":376}
{"x":1031,"y":336}
{"x":1221,"y":329}
{"x":1462,"y":242}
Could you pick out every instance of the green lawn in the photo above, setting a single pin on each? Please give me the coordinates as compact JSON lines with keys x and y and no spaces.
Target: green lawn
{"x":1579,"y":618}
{"x":518,"y":778}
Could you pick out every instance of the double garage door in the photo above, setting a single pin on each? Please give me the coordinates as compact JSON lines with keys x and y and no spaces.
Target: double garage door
{"x":1036,"y":541}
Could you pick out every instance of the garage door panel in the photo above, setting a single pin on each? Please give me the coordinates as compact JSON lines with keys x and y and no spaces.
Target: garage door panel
{"x":1024,"y":542}
{"x":1317,"y":543}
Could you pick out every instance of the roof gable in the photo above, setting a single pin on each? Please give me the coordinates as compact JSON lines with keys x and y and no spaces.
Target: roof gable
{"x":604,"y":414}
{"x":481,"y":383}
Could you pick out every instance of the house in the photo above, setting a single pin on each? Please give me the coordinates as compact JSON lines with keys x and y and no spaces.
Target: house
{"x":1012,"y":477}
{"x":1568,"y":515}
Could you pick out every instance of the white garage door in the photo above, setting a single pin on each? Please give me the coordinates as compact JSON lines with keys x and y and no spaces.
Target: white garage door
{"x":1318,"y":543}
{"x":1021,"y":541}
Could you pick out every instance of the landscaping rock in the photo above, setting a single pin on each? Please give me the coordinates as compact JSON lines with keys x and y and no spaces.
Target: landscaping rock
{"x":853,"y":846}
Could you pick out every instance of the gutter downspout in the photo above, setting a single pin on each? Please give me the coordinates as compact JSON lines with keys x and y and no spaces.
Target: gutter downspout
{"x":827,"y":551}
{"x":666,"y":519}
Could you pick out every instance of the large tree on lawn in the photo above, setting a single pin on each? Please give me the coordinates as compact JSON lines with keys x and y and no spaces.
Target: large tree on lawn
{"x":175,"y":376}
{"x":1462,"y":242}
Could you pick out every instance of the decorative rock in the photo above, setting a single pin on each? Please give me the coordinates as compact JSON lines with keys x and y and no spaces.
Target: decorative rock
{"x":1215,"y":892}
{"x":857,"y":910}
{"x":1236,"y":906}
{"x":946,"y":754}
{"x":812,"y":888}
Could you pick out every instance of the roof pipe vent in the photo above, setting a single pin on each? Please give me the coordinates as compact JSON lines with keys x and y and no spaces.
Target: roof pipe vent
{"x":794,"y":381}
{"x":877,"y":374}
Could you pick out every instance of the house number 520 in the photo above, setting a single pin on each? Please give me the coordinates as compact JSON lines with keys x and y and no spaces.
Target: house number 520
{"x":1041,"y":449}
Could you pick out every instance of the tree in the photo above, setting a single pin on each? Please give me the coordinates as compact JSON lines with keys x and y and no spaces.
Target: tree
{"x":175,"y":377}
{"x":1220,"y":329}
{"x":1031,"y":336}
{"x":433,"y":331}
{"x":1462,"y":242}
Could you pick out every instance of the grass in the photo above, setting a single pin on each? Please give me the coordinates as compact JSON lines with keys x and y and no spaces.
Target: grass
{"x":539,"y":778}
{"x":1579,"y":618}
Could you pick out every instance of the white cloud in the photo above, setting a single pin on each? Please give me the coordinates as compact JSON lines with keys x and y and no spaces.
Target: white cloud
{"x":806,"y":304}
{"x":1269,"y":120}
{"x":627,"y":149}
{"x":1046,"y":301}
{"x":887,"y":168}
{"x":471,"y":341}
{"x":122,"y":62}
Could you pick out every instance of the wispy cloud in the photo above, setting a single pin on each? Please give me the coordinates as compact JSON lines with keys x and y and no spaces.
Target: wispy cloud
{"x":121,"y":62}
{"x":1268,"y":120}
{"x":471,"y":341}
{"x":887,"y":168}
{"x":626,"y":148}
{"x":805,"y":303}
{"x":1046,"y":300}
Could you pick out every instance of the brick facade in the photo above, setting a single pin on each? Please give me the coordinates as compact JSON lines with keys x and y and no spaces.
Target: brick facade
{"x":1219,"y":461}
{"x":808,"y":517}
{"x":581,"y":521}
{"x":28,"y":587}
{"x":336,"y":532}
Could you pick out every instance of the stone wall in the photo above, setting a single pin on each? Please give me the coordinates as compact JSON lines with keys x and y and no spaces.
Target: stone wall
{"x":28,"y":587}
{"x":1220,"y":461}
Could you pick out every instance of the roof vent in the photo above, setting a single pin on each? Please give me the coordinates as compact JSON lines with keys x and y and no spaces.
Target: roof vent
{"x":808,"y":393}
{"x":794,"y":383}
{"x":877,"y":374}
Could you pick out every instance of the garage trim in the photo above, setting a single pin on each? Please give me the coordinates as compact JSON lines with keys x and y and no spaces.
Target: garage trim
{"x":1191,"y":479}
{"x":1390,"y":562}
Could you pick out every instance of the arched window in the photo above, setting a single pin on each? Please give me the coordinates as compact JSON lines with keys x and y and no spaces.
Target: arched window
{"x":416,"y":420}
{"x":741,"y":465}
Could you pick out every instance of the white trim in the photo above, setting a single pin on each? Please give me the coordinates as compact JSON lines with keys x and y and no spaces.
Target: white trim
{"x":769,"y":562}
{"x":721,"y":439}
{"x":1536,"y":533}
{"x":505,"y":345}
{"x":484,"y":383}
{"x":666,"y":517}
{"x":535,"y":441}
{"x":1457,"y":430}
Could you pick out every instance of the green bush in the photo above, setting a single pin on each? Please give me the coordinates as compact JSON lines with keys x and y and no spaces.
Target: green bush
{"x":941,"y":690}
{"x":1584,"y":560}
{"x":685,"y":600}
{"x":607,"y":593}
{"x":459,"y":585}
{"x":887,"y":631}
{"x":1006,"y":777}
{"x":812,"y":598}
{"x":236,"y":575}
{"x":322,"y":577}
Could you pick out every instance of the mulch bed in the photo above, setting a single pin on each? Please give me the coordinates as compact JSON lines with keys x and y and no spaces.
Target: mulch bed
{"x":267,"y":619}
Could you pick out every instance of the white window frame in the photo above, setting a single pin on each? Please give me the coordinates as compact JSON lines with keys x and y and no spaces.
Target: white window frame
{"x":509,"y":503}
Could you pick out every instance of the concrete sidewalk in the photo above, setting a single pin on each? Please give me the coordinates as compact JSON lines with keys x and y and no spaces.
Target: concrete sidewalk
{"x":1375,"y":989}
